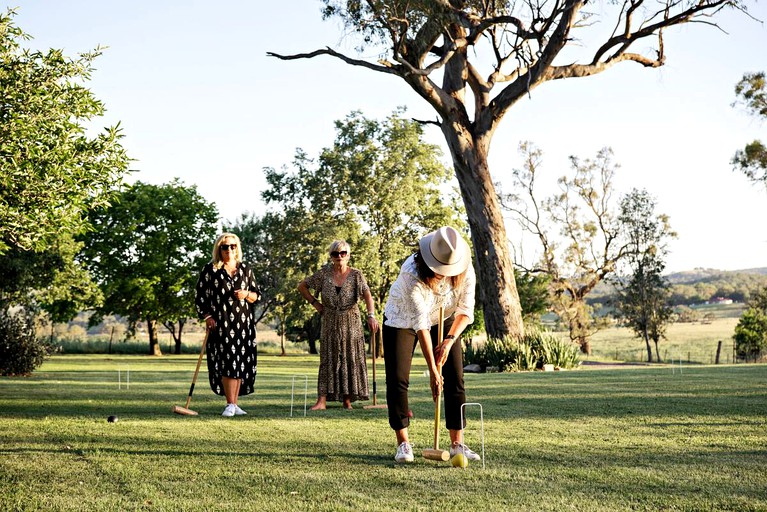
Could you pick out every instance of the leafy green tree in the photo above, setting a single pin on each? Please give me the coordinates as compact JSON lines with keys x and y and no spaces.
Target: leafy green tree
{"x":533,"y":295}
{"x":379,"y":187}
{"x":759,"y":300}
{"x":643,"y":301}
{"x":578,"y":232}
{"x":489,"y":56}
{"x":51,"y":171}
{"x":751,"y":334}
{"x":751,"y":331}
{"x":146,"y":251}
{"x":752,"y":160}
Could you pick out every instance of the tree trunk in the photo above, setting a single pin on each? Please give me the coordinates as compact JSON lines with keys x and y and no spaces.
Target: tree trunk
{"x":492,"y":260}
{"x":584,"y":343}
{"x":154,"y":343}
{"x":657,"y":352}
{"x":177,"y":339}
{"x":282,"y":335}
{"x":176,"y":335}
{"x":647,"y":345}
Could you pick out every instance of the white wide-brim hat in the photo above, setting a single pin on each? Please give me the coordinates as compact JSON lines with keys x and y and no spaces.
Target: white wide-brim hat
{"x":445,"y":251}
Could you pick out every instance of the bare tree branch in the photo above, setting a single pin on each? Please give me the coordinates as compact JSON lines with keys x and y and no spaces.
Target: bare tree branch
{"x":329,"y":51}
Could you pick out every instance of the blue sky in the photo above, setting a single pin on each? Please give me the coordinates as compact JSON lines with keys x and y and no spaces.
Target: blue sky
{"x":198,"y":99}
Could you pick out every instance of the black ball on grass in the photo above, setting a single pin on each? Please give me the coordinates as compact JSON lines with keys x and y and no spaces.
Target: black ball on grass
{"x":112,"y":419}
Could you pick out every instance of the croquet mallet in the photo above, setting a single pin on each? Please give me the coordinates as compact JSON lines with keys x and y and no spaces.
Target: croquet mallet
{"x":186,"y":411}
{"x":435,"y":453}
{"x":373,"y":350}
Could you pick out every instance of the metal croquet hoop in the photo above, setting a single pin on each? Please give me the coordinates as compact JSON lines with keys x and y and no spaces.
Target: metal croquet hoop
{"x":293,"y":391}
{"x":481,"y":425}
{"x":673,"y":371}
{"x":119,"y":377}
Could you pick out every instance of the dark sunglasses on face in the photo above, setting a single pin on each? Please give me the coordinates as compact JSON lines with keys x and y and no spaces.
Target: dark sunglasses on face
{"x":336,"y":254}
{"x":231,"y":247}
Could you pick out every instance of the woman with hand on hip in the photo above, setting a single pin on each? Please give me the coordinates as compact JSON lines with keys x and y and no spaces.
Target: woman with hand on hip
{"x":439,"y":274}
{"x":226,"y":290}
{"x":343,"y":372}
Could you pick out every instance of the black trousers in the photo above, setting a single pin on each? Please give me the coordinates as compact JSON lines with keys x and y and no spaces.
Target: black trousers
{"x":399,"y":345}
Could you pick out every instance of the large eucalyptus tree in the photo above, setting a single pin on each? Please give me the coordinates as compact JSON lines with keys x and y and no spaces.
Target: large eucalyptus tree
{"x":488,"y":55}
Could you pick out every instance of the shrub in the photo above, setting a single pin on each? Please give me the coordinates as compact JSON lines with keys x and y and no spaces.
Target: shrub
{"x":20,"y":349}
{"x":533,"y":351}
{"x":560,"y":352}
{"x":751,"y":334}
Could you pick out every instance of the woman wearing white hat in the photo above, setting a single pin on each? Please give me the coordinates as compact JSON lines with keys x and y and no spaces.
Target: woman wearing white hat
{"x":439,"y":274}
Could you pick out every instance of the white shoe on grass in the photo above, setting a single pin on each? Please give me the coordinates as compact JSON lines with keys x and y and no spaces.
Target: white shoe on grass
{"x":229,"y":411}
{"x":238,"y":411}
{"x":462,"y":448}
{"x":404,"y":452}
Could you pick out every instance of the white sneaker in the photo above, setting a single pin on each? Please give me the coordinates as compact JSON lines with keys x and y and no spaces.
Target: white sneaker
{"x":238,"y":411}
{"x":462,"y":448}
{"x":404,"y":452}
{"x":229,"y":411}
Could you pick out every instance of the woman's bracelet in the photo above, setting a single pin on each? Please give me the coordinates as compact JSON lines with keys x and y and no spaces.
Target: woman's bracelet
{"x":449,"y":337}
{"x":371,"y":315}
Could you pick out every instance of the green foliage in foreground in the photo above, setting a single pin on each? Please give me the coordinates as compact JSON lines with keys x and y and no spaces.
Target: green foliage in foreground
{"x":631,"y":439}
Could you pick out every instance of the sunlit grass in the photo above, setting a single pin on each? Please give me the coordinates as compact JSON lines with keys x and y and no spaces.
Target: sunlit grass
{"x":632,"y":439}
{"x":690,"y":342}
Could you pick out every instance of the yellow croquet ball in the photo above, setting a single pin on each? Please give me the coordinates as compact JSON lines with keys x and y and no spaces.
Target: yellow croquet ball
{"x":459,"y":460}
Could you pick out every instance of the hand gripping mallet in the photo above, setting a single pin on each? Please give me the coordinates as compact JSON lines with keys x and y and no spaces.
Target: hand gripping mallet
{"x":185,"y":411}
{"x":435,"y":453}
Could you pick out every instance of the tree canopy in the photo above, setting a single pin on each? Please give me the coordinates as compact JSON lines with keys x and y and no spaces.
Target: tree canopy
{"x":379,"y":187}
{"x":146,"y":251}
{"x":751,"y":92}
{"x":51,"y":170}
{"x":577,"y":230}
{"x":473,"y":60}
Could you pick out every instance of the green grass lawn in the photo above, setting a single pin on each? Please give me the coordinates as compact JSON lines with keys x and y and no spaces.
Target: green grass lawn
{"x":640,"y":438}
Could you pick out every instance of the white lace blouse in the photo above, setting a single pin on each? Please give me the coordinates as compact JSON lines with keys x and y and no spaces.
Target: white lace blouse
{"x":413,"y":305}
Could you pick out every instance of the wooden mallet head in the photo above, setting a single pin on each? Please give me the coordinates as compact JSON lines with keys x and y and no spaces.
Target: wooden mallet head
{"x":436,"y":454}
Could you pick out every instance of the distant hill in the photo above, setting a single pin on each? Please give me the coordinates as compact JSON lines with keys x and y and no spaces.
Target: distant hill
{"x":700,"y":285}
{"x":709,"y":274}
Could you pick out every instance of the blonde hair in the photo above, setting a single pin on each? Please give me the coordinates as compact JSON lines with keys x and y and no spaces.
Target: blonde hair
{"x":339,"y":245}
{"x":217,"y":261}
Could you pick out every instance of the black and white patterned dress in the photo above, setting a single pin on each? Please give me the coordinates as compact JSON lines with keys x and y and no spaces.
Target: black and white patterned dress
{"x":343,"y":369}
{"x":231,"y":344}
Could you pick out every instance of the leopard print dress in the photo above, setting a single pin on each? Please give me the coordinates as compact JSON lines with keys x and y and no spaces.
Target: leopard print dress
{"x":343,"y":369}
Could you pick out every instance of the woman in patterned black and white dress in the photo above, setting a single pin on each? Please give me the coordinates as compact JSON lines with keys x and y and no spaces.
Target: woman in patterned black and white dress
{"x":343,"y":371}
{"x":226,"y":291}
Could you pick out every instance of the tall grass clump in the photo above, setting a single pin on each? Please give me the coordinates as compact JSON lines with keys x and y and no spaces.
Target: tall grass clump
{"x":534,"y":350}
{"x":553,"y":349}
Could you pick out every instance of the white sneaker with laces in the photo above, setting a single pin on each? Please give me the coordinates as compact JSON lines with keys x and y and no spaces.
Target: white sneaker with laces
{"x":229,"y":410}
{"x":238,"y":411}
{"x":404,"y":452}
{"x":462,"y":448}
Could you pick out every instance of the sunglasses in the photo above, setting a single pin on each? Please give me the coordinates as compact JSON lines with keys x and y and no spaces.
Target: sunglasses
{"x":231,"y":247}
{"x":336,"y":254}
